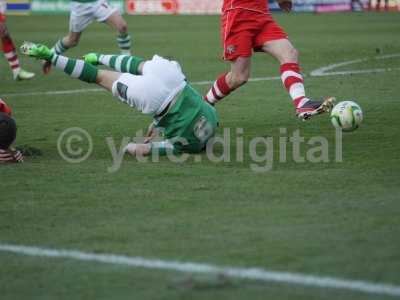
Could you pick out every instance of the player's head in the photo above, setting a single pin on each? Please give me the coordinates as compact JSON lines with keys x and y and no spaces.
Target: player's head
{"x":8,"y":131}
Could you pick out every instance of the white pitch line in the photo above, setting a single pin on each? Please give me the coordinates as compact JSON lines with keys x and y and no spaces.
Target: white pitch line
{"x":78,"y":91}
{"x":324,"y":71}
{"x":49,"y":93}
{"x":354,"y":72}
{"x":386,"y":56}
{"x":250,"y":80}
{"x":189,"y":267}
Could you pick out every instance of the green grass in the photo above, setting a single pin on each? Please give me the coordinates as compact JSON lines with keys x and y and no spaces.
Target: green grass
{"x":333,"y":219}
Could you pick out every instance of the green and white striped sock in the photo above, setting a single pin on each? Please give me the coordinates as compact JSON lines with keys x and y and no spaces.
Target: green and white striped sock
{"x":124,"y":43}
{"x":59,"y":47}
{"x":75,"y":68}
{"x":122,"y":63}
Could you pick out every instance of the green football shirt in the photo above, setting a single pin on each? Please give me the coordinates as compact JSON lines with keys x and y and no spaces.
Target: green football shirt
{"x":189,"y":124}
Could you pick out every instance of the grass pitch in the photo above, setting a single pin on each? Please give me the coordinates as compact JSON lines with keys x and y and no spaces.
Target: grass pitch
{"x":328,"y":219}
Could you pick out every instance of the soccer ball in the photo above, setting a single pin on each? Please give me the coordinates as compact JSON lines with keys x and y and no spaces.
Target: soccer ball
{"x":346,"y":115}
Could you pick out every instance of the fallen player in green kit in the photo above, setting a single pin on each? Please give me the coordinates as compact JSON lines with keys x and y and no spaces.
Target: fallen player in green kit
{"x":156,"y":87}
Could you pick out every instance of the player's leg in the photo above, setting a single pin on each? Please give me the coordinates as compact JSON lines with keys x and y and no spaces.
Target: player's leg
{"x":10,"y":53}
{"x":111,"y":16}
{"x":117,"y":22}
{"x":293,"y":81}
{"x":273,"y":40}
{"x":147,"y":93}
{"x":228,"y":82}
{"x":69,"y":41}
{"x":287,"y":55}
{"x":120,"y":63}
{"x":237,"y":31}
{"x":81,"y":16}
{"x":75,"y":68}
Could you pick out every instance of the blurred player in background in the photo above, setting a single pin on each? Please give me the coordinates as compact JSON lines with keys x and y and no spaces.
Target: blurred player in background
{"x":378,"y":5}
{"x":84,"y":12}
{"x":9,"y":48}
{"x":8,"y":133}
{"x":357,"y":5}
{"x":156,"y":87}
{"x":247,"y":25}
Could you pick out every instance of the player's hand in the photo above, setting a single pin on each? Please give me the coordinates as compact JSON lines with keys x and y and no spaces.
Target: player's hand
{"x":285,"y":5}
{"x":11,"y":156}
{"x":138,"y":149}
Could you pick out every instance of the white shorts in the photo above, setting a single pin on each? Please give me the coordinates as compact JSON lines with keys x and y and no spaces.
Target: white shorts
{"x":151,"y":92}
{"x":82,"y":14}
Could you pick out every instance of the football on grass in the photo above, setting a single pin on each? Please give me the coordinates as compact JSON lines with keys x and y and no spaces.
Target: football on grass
{"x":347,"y":115}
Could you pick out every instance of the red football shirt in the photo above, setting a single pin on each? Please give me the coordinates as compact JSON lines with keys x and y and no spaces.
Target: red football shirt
{"x":253,"y":5}
{"x":4,"y":108}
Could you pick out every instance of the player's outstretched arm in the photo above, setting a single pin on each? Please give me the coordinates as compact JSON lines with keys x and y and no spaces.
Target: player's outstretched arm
{"x":119,"y":63}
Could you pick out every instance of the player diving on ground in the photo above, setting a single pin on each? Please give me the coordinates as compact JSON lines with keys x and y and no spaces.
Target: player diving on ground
{"x":156,"y":87}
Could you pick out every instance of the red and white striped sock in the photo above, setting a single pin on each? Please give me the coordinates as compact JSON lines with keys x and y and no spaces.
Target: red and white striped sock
{"x":11,"y":54}
{"x":293,"y":82}
{"x":219,"y":90}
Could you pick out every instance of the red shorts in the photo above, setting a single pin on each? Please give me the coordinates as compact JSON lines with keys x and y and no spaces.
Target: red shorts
{"x":2,"y":18}
{"x":243,"y":31}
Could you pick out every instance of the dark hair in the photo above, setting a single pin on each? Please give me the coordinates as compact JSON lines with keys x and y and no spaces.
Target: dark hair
{"x":8,"y":131}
